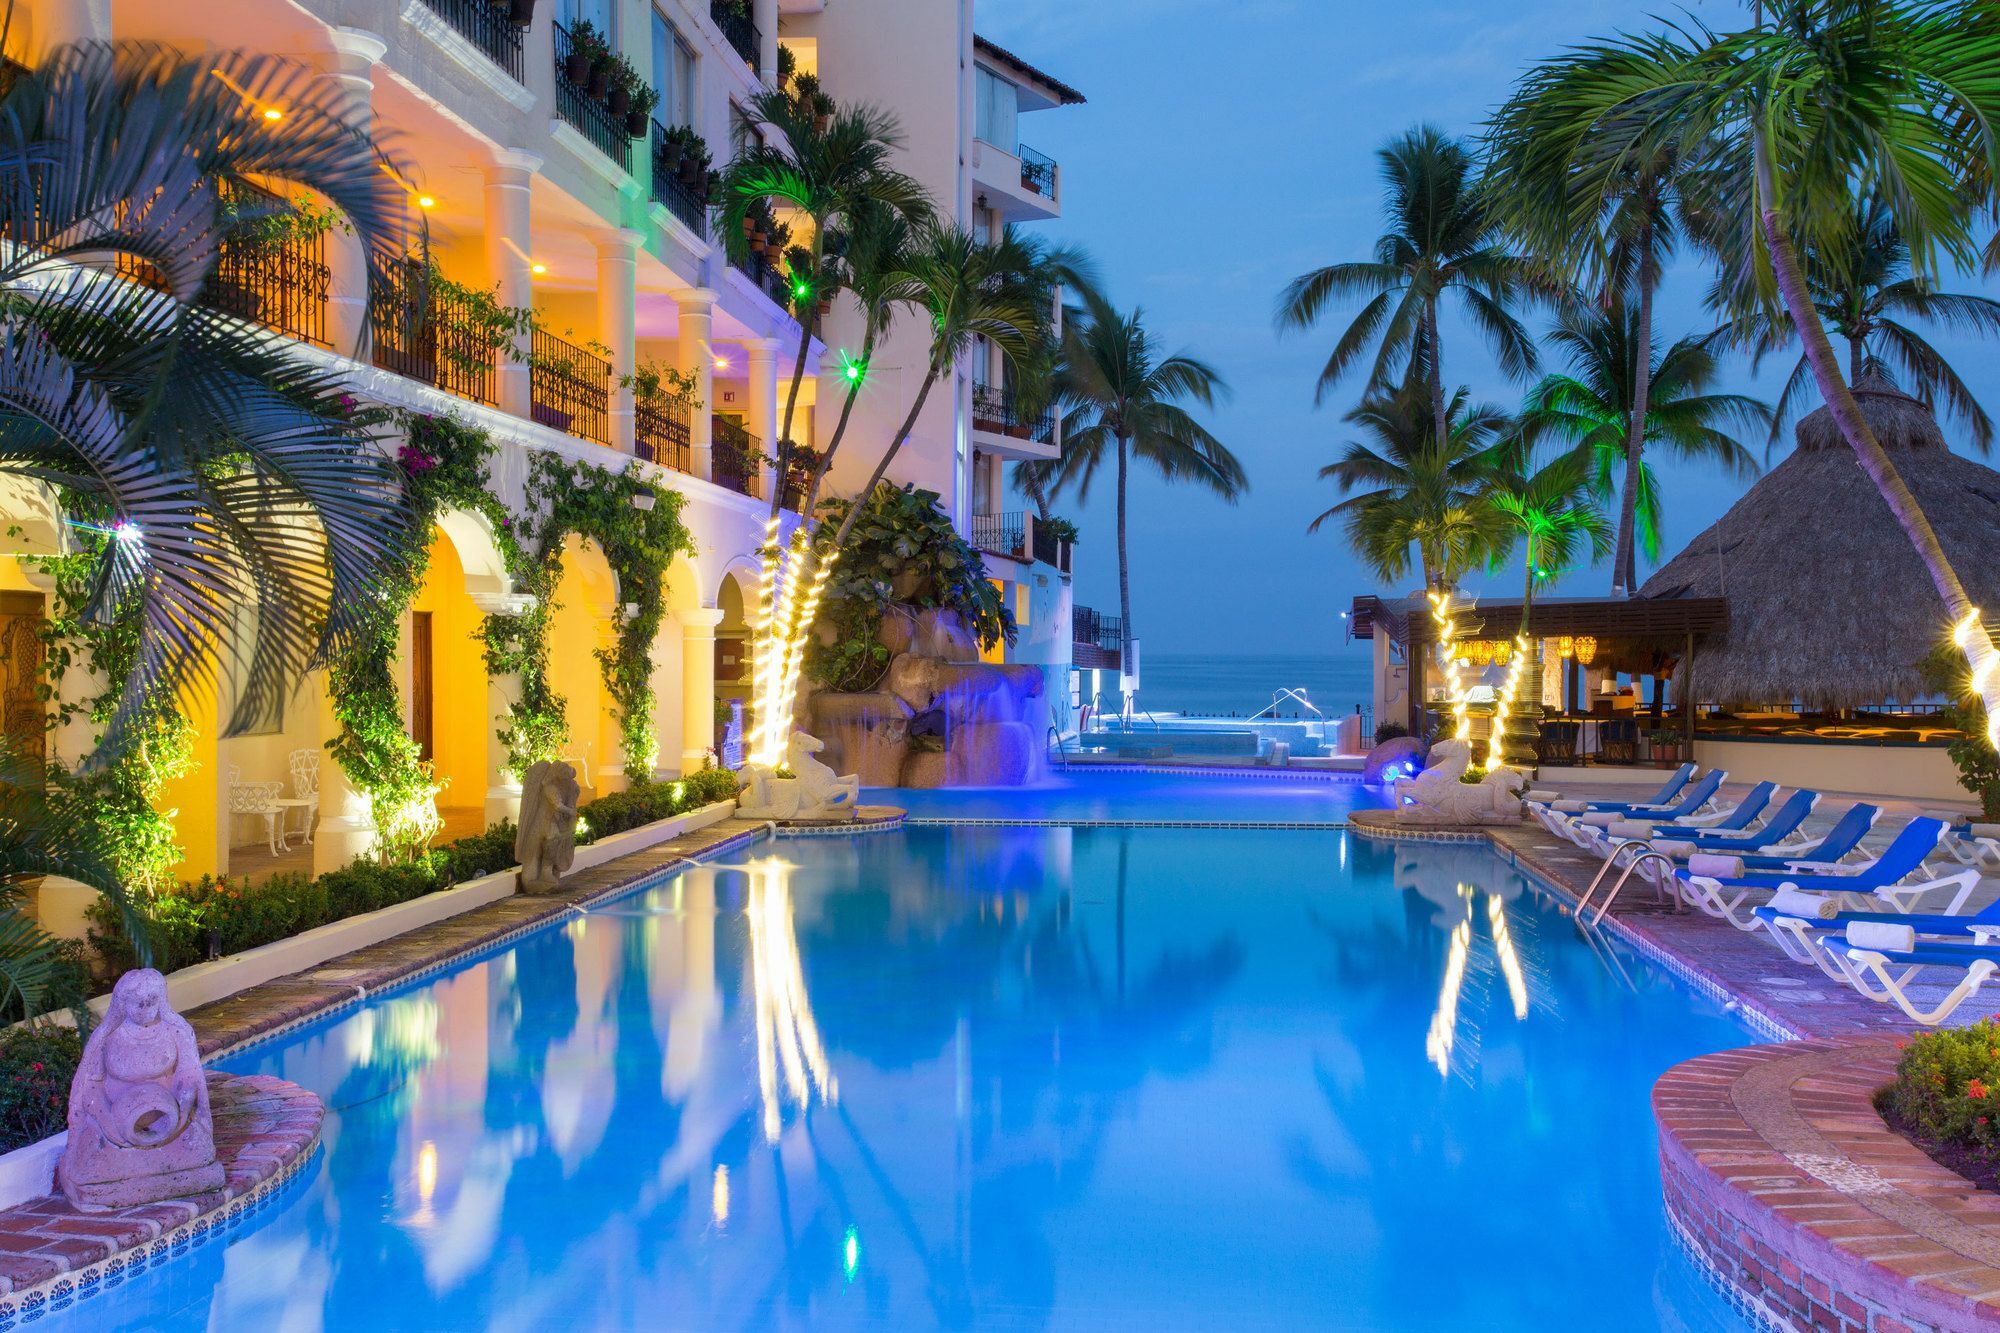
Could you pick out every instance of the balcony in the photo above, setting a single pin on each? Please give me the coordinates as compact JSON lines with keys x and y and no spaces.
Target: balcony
{"x":569,"y":388}
{"x":737,"y":461}
{"x":1018,"y":537}
{"x":733,"y":18}
{"x":585,"y":110}
{"x":660,"y":435}
{"x":995,"y":411}
{"x":675,"y":183}
{"x":766,"y":277}
{"x":1038,"y":173}
{"x":488,"y":26}
{"x":272,"y":270}
{"x":1096,"y":641}
{"x":431,"y":336}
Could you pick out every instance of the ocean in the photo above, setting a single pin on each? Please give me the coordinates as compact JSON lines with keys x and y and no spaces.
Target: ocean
{"x":1222,"y":685}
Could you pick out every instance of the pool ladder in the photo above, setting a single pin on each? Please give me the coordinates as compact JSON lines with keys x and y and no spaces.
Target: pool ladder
{"x":1649,"y":854}
{"x":1060,"y":746}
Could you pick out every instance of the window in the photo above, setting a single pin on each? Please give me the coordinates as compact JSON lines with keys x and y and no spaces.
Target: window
{"x":999,"y":105}
{"x":595,"y":12}
{"x":673,"y":73}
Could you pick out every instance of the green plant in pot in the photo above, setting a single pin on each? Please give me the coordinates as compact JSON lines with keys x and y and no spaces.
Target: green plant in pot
{"x":640,"y":113}
{"x":624,"y":80}
{"x":587,"y":47}
{"x":521,"y":13}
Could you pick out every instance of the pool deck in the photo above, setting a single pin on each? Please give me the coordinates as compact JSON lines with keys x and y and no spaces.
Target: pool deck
{"x":302,"y":997}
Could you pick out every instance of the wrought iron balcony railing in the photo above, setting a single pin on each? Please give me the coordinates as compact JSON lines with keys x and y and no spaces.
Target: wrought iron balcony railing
{"x":1105,"y":632}
{"x":569,"y":388}
{"x":592,"y":118}
{"x":1038,"y":173}
{"x":428,"y":335}
{"x":660,"y":435}
{"x":737,"y":460}
{"x":994,"y":409}
{"x":279,"y":278}
{"x":733,"y":17}
{"x":672,"y":188}
{"x":1002,"y":534}
{"x":488,"y":26}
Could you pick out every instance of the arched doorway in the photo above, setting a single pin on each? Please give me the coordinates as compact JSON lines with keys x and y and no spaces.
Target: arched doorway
{"x":580,"y":626}
{"x":445,"y":700}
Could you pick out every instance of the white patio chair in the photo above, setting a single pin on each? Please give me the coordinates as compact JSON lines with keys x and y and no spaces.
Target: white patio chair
{"x":305,"y":792}
{"x":259,"y":799}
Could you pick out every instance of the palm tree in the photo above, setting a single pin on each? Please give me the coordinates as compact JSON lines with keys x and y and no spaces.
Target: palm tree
{"x":229,"y":467}
{"x":1799,"y":109}
{"x":828,"y":169}
{"x":1550,"y":513}
{"x":1867,"y":299}
{"x":1442,"y":238}
{"x":1123,"y":401}
{"x":1590,"y":408}
{"x":1418,"y":494}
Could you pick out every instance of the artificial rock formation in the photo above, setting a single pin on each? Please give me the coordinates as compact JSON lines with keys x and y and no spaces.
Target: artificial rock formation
{"x":1440,"y":794}
{"x":140,"y":1130}
{"x":939,"y":717}
{"x":545,"y":844}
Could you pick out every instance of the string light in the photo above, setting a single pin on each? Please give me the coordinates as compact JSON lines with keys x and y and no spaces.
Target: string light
{"x":1495,"y":753}
{"x":1977,"y":645}
{"x":1454,"y":682}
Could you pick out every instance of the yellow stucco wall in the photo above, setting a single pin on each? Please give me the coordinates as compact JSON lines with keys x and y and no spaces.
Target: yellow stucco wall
{"x":459,"y":723}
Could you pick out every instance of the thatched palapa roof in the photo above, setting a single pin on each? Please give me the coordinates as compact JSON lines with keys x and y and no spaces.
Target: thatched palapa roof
{"x":1828,"y":602}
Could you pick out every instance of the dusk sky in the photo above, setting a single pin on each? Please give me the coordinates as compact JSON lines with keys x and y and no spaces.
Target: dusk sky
{"x":1225,"y":150}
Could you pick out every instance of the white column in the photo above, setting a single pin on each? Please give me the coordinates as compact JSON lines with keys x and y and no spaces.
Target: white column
{"x":503,"y":786}
{"x":618,"y":322}
{"x":695,"y":351}
{"x":64,"y":22}
{"x":509,"y":256}
{"x":764,"y":13}
{"x":697,"y":684}
{"x":355,"y":53}
{"x":760,"y":415}
{"x":346,"y":827}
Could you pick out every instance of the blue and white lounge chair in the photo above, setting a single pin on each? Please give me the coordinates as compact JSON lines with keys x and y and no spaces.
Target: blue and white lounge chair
{"x":1799,"y":923}
{"x":1826,"y":855}
{"x":1973,"y":844}
{"x":1735,"y":819}
{"x":1767,"y":843}
{"x":1888,"y":878}
{"x":1665,"y":795}
{"x":1695,"y":799}
{"x":1867,"y":962}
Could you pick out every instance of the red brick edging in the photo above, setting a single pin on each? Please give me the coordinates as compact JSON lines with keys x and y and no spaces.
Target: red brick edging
{"x":265,"y":1131}
{"x":1780,"y":1173}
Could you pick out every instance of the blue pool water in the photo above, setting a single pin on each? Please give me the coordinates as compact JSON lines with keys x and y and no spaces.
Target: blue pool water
{"x":1082,"y":793}
{"x":1132,"y":1078}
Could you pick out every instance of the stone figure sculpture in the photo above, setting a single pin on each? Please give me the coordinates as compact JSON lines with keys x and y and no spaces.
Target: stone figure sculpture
{"x":823,"y":794}
{"x":140,"y":1130}
{"x":766,"y":795}
{"x":1439,"y":794}
{"x":546,"y":841}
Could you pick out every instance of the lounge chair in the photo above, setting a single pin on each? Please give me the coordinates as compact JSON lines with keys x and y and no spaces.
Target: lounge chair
{"x":1972,"y":844}
{"x":1724,"y":818}
{"x":1799,"y":922}
{"x":1866,"y":964}
{"x":1884,"y":878}
{"x":1630,"y":836}
{"x":1667,"y":792}
{"x":1580,"y":830}
{"x":1827,"y":855}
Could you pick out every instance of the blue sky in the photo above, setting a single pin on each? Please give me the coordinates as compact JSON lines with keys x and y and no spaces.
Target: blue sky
{"x":1223,"y":151}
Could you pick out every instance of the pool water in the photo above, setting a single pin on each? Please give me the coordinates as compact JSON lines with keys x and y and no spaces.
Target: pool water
{"x":1124,"y":1078}
{"x":1082,"y":793}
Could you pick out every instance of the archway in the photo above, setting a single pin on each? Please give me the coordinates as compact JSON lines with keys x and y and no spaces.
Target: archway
{"x":736,"y":598}
{"x":580,"y":626}
{"x":445,"y":703}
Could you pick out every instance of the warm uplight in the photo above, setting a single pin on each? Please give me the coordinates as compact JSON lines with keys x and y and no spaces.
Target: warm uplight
{"x":538,"y":268}
{"x":722,"y":363}
{"x":1972,"y":640}
{"x":426,"y":201}
{"x":272,"y":113}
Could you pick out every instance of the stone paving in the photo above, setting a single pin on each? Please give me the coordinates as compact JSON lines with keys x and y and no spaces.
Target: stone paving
{"x":265,"y":1130}
{"x":344,"y":980}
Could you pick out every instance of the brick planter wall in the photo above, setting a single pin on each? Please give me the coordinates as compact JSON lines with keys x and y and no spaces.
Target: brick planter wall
{"x":1781,"y":1176}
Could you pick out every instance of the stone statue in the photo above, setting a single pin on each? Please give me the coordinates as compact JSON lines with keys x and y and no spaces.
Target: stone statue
{"x":140,"y":1131}
{"x":823,"y":794}
{"x":765,"y":795}
{"x":1440,"y":795}
{"x":546,"y":841}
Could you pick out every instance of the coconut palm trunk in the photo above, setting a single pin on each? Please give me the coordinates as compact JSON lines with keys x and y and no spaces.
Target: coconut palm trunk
{"x":784,"y":440}
{"x":1124,"y":568}
{"x":1789,"y":272}
{"x":1624,"y":559}
{"x":1440,"y":415}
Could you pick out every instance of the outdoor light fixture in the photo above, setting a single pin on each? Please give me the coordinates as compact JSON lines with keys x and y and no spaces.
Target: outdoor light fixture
{"x":272,"y":113}
{"x":426,"y":201}
{"x":1566,"y":646}
{"x":643,"y":499}
{"x":722,"y":363}
{"x":538,"y":268}
{"x":1586,"y":648}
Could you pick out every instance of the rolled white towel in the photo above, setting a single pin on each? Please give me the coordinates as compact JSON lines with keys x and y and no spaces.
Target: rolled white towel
{"x":1984,"y":830}
{"x":1541,"y":797}
{"x":1629,"y":828}
{"x":1680,"y":851}
{"x":1714,"y":865}
{"x":1806,"y":906}
{"x":1886,"y":936}
{"x":1571,"y":807}
{"x":1599,"y":818}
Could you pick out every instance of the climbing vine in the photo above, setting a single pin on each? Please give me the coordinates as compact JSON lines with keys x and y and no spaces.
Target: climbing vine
{"x":639,"y":530}
{"x":123,"y":793}
{"x":444,"y":465}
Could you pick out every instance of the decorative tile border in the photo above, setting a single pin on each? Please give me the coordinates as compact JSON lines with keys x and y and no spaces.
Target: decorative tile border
{"x":1211,"y":771}
{"x":940,"y":821}
{"x":267,"y":1132}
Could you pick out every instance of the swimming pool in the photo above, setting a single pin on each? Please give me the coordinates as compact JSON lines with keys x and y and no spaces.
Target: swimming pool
{"x":1158,"y":795}
{"x":1005,"y":1077}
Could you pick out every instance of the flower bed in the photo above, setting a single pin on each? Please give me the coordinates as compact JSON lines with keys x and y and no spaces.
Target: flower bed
{"x":1946,"y":1098}
{"x":36,"y":1065}
{"x":217,"y":917}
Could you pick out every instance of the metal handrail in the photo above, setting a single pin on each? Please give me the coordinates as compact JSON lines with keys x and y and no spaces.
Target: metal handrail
{"x":1637,"y":861}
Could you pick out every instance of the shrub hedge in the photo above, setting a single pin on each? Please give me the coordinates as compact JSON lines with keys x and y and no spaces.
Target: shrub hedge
{"x":1947,"y":1089}
{"x":216,"y":915}
{"x":36,"y":1065}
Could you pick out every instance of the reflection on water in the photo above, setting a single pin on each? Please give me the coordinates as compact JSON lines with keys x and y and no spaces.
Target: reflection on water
{"x":987,"y":1077}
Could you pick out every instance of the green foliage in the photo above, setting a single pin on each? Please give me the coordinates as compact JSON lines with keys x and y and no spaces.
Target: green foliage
{"x":1946,"y":672}
{"x":1947,"y":1084}
{"x":1061,"y":529}
{"x":656,"y":384}
{"x":36,"y":1066}
{"x":901,"y":552}
{"x":649,"y":802}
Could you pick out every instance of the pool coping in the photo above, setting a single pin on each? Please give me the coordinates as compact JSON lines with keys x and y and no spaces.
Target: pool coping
{"x":267,"y":1131}
{"x":1779,"y":1177}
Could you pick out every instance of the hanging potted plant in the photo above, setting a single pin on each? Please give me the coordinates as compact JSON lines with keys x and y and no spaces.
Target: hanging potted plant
{"x":586,"y":44}
{"x":672,"y":152}
{"x":640,"y":113}
{"x":521,"y":13}
{"x":623,"y":79}
{"x":603,"y":68}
